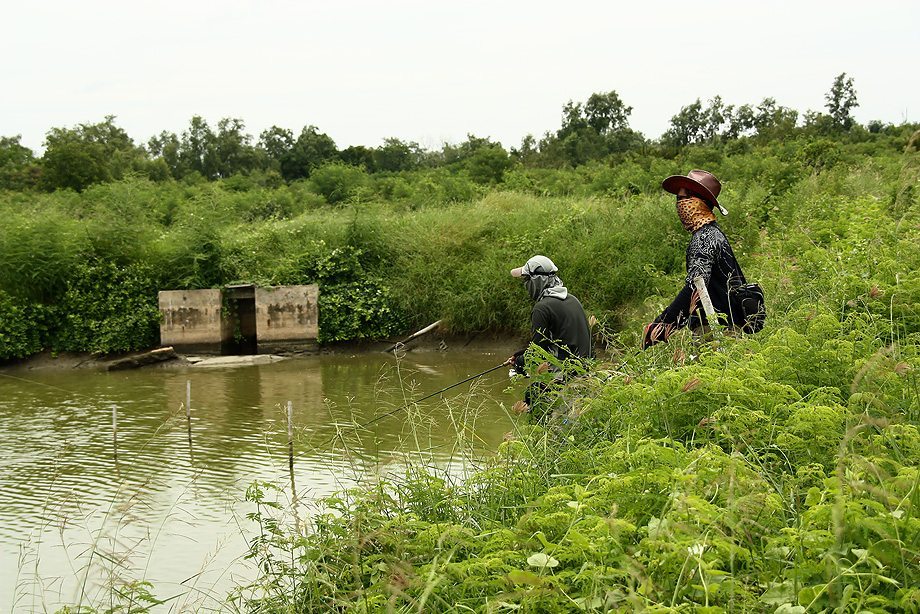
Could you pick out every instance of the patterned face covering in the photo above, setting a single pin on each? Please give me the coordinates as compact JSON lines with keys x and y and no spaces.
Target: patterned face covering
{"x":694,"y":213}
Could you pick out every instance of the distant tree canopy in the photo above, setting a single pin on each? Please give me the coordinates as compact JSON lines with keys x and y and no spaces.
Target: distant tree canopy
{"x":18,"y":168}
{"x":590,"y":131}
{"x":78,"y":157}
{"x":840,"y":100}
{"x":596,"y":129}
{"x":717,"y":122}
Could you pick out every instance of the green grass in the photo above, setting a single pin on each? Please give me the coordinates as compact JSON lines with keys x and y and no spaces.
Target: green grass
{"x":777,"y":472}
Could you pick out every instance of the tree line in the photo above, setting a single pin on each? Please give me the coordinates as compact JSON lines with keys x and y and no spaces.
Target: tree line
{"x":596,"y":129}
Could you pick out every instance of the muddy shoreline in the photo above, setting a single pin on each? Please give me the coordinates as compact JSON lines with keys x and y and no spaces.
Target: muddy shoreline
{"x":435,"y":342}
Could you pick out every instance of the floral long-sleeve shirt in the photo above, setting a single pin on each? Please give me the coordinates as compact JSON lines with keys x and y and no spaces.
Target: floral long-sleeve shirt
{"x":708,"y":256}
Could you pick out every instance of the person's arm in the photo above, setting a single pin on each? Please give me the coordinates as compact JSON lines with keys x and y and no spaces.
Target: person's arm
{"x":540,"y":335}
{"x":700,"y":258}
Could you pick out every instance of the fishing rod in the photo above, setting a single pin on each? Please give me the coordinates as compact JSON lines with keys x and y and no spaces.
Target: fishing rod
{"x":424,"y":398}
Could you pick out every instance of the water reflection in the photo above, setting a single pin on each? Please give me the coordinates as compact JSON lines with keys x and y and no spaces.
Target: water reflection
{"x":73,"y":514}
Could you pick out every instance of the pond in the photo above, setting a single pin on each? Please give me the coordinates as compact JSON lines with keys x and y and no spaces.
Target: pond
{"x":157,"y":497}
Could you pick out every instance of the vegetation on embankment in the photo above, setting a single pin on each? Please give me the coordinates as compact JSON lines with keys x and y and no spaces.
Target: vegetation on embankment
{"x":81,"y":270}
{"x":398,"y":236}
{"x":772,"y":473}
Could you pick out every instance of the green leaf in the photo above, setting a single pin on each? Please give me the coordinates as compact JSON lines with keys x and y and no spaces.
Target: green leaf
{"x":522,"y":576}
{"x":778,"y":594}
{"x":539,"y":559}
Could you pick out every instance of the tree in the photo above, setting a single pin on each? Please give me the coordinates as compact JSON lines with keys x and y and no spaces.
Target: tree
{"x":397,"y":155}
{"x":591,"y":131}
{"x":529,"y":152}
{"x":840,"y":100}
{"x":78,"y":157}
{"x":311,"y":149}
{"x":359,"y":156}
{"x":698,"y":124}
{"x":18,"y":170}
{"x":199,"y":148}
{"x":774,"y":121}
{"x":234,"y":150}
{"x":606,"y":113}
{"x":276,"y":142}
{"x":166,"y":146}
{"x":488,"y":164}
{"x":687,"y":126}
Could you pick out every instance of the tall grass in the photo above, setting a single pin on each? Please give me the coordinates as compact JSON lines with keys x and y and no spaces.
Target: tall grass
{"x":776,"y":472}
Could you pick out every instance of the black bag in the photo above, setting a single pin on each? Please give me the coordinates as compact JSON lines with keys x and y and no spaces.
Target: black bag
{"x":748,"y":309}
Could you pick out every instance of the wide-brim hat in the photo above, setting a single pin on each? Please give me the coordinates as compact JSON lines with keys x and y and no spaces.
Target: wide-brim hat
{"x":701,"y":184}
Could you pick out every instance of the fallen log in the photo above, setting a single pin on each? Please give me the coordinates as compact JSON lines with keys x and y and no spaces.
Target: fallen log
{"x":143,"y":359}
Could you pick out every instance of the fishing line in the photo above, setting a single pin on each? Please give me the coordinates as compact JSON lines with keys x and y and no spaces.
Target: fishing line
{"x":37,"y":383}
{"x":416,"y":401}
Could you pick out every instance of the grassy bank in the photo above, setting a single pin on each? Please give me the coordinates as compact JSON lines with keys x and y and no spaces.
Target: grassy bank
{"x":775,"y":473}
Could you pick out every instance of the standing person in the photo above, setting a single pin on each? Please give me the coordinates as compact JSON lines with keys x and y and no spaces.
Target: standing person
{"x":708,"y":256}
{"x":558,"y":323}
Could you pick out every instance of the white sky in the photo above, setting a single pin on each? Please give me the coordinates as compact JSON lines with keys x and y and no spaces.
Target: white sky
{"x":432,"y":71}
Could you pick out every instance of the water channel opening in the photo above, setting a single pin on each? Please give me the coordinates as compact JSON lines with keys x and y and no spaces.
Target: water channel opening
{"x":240,"y":303}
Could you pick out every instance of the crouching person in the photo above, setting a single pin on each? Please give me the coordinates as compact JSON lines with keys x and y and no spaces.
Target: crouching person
{"x":559,"y":327}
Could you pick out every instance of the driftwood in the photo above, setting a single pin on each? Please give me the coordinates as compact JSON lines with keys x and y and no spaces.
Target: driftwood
{"x":427,"y":329}
{"x":140,"y":360}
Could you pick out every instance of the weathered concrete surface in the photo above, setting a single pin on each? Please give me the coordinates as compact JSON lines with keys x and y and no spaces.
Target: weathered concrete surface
{"x":238,"y":361}
{"x":145,"y":358}
{"x":191,"y":320}
{"x":287,"y":317}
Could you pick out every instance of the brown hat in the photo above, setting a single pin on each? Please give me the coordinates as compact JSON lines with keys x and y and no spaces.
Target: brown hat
{"x":702,"y":184}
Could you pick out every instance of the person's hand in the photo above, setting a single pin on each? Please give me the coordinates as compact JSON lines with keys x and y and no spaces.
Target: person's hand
{"x":648,"y":334}
{"x":510,"y":361}
{"x":520,"y":408}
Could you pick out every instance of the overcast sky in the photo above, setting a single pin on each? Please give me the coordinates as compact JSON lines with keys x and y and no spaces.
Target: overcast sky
{"x":431,"y":71}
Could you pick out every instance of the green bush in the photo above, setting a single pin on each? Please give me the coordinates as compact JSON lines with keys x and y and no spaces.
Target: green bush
{"x":339,"y":182}
{"x":21,"y":328}
{"x":107,"y":308}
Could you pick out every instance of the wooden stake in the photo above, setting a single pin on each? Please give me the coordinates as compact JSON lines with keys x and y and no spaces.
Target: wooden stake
{"x":115,"y":430}
{"x":188,"y":401}
{"x":290,"y":424}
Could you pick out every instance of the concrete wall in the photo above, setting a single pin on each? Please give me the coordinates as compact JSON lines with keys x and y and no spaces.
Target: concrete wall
{"x":287,"y":317}
{"x":191,"y":320}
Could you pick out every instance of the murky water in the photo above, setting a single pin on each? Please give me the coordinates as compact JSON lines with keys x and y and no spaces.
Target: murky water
{"x":83,"y":505}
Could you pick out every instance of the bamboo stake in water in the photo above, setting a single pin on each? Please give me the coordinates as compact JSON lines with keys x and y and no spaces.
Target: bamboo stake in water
{"x":115,"y":430}
{"x":290,"y":425}
{"x":188,"y":417}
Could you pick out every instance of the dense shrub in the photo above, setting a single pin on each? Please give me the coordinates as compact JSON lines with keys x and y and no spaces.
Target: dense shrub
{"x":107,"y":308}
{"x":21,"y":327}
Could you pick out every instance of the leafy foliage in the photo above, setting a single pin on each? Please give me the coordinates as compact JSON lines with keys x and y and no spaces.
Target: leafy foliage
{"x":776,"y":472}
{"x":21,"y":327}
{"x":107,"y":308}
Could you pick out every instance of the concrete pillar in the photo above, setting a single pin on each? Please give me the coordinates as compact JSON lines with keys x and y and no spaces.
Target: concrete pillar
{"x":287,"y":318}
{"x":191,"y":320}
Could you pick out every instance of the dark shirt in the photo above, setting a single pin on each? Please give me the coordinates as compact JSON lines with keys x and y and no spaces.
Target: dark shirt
{"x":709,"y":256}
{"x":560,"y":327}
